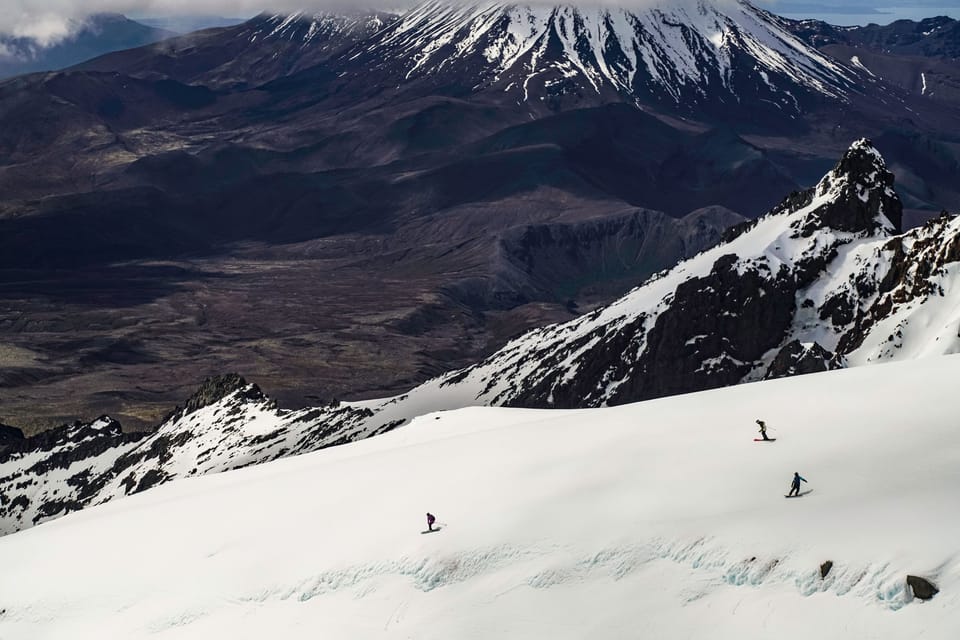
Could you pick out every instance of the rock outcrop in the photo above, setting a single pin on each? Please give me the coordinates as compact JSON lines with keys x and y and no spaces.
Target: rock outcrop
{"x":797,"y":358}
{"x":921,"y":587}
{"x":825,"y":568}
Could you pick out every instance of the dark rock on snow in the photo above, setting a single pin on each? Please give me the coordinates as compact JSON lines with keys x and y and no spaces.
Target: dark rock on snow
{"x":825,"y":568}
{"x":798,"y":359}
{"x":921,"y":587}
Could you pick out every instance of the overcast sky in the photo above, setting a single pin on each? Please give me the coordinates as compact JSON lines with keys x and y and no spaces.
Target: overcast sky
{"x":51,"y":20}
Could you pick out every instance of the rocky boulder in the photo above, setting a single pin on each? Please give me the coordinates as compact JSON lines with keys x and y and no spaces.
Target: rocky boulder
{"x":921,"y":587}
{"x":825,"y":568}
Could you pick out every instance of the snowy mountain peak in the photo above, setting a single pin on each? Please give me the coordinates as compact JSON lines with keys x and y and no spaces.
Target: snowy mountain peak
{"x":861,"y":164}
{"x":320,"y":27}
{"x":862,"y":186}
{"x":810,"y":285}
{"x":688,"y":54}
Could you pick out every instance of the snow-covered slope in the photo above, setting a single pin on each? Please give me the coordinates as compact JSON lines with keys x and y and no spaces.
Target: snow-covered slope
{"x":696,"y":55}
{"x":660,"y":519}
{"x":227,"y":424}
{"x":822,"y":282}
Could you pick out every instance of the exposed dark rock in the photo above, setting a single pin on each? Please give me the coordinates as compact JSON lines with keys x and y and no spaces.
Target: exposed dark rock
{"x":9,"y":437}
{"x":739,"y":315}
{"x":710,"y":336}
{"x":798,"y":359}
{"x":865,"y":191}
{"x":825,"y":568}
{"x":214,"y":390}
{"x":910,"y":275}
{"x":151,"y":478}
{"x":10,"y":434}
{"x":921,"y":587}
{"x":70,"y":443}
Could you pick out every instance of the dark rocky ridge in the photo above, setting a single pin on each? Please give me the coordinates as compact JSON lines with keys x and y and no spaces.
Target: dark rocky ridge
{"x":919,"y":57}
{"x":74,"y":466}
{"x":714,"y":330}
{"x":932,"y":37}
{"x":215,"y":389}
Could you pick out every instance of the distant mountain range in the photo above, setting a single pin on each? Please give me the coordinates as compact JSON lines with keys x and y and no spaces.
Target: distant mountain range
{"x":100,"y":34}
{"x":346,"y":205}
{"x":920,"y":57}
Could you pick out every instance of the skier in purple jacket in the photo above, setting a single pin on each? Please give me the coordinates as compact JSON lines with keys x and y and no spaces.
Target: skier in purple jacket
{"x":430,"y":520}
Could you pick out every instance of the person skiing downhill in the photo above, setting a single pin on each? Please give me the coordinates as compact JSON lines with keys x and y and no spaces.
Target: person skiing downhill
{"x":763,"y":429}
{"x":795,"y":486}
{"x":430,"y":520}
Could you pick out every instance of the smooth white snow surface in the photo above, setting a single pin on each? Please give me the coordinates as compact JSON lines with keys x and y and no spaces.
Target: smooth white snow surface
{"x":656,"y":520}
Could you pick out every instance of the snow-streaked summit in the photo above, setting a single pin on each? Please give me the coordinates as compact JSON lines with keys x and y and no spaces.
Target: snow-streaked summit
{"x":309,"y":28}
{"x":688,"y":53}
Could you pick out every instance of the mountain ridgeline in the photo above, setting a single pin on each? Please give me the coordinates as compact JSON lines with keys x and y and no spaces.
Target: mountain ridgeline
{"x":826,"y":280}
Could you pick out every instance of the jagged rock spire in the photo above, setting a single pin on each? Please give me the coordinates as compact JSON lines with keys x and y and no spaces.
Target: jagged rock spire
{"x":859,"y":192}
{"x":215,"y":389}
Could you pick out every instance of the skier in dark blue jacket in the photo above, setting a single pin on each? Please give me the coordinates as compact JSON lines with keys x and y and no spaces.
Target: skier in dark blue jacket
{"x":795,"y":487}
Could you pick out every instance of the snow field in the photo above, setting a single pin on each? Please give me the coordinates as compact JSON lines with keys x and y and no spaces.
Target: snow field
{"x":661,"y":519}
